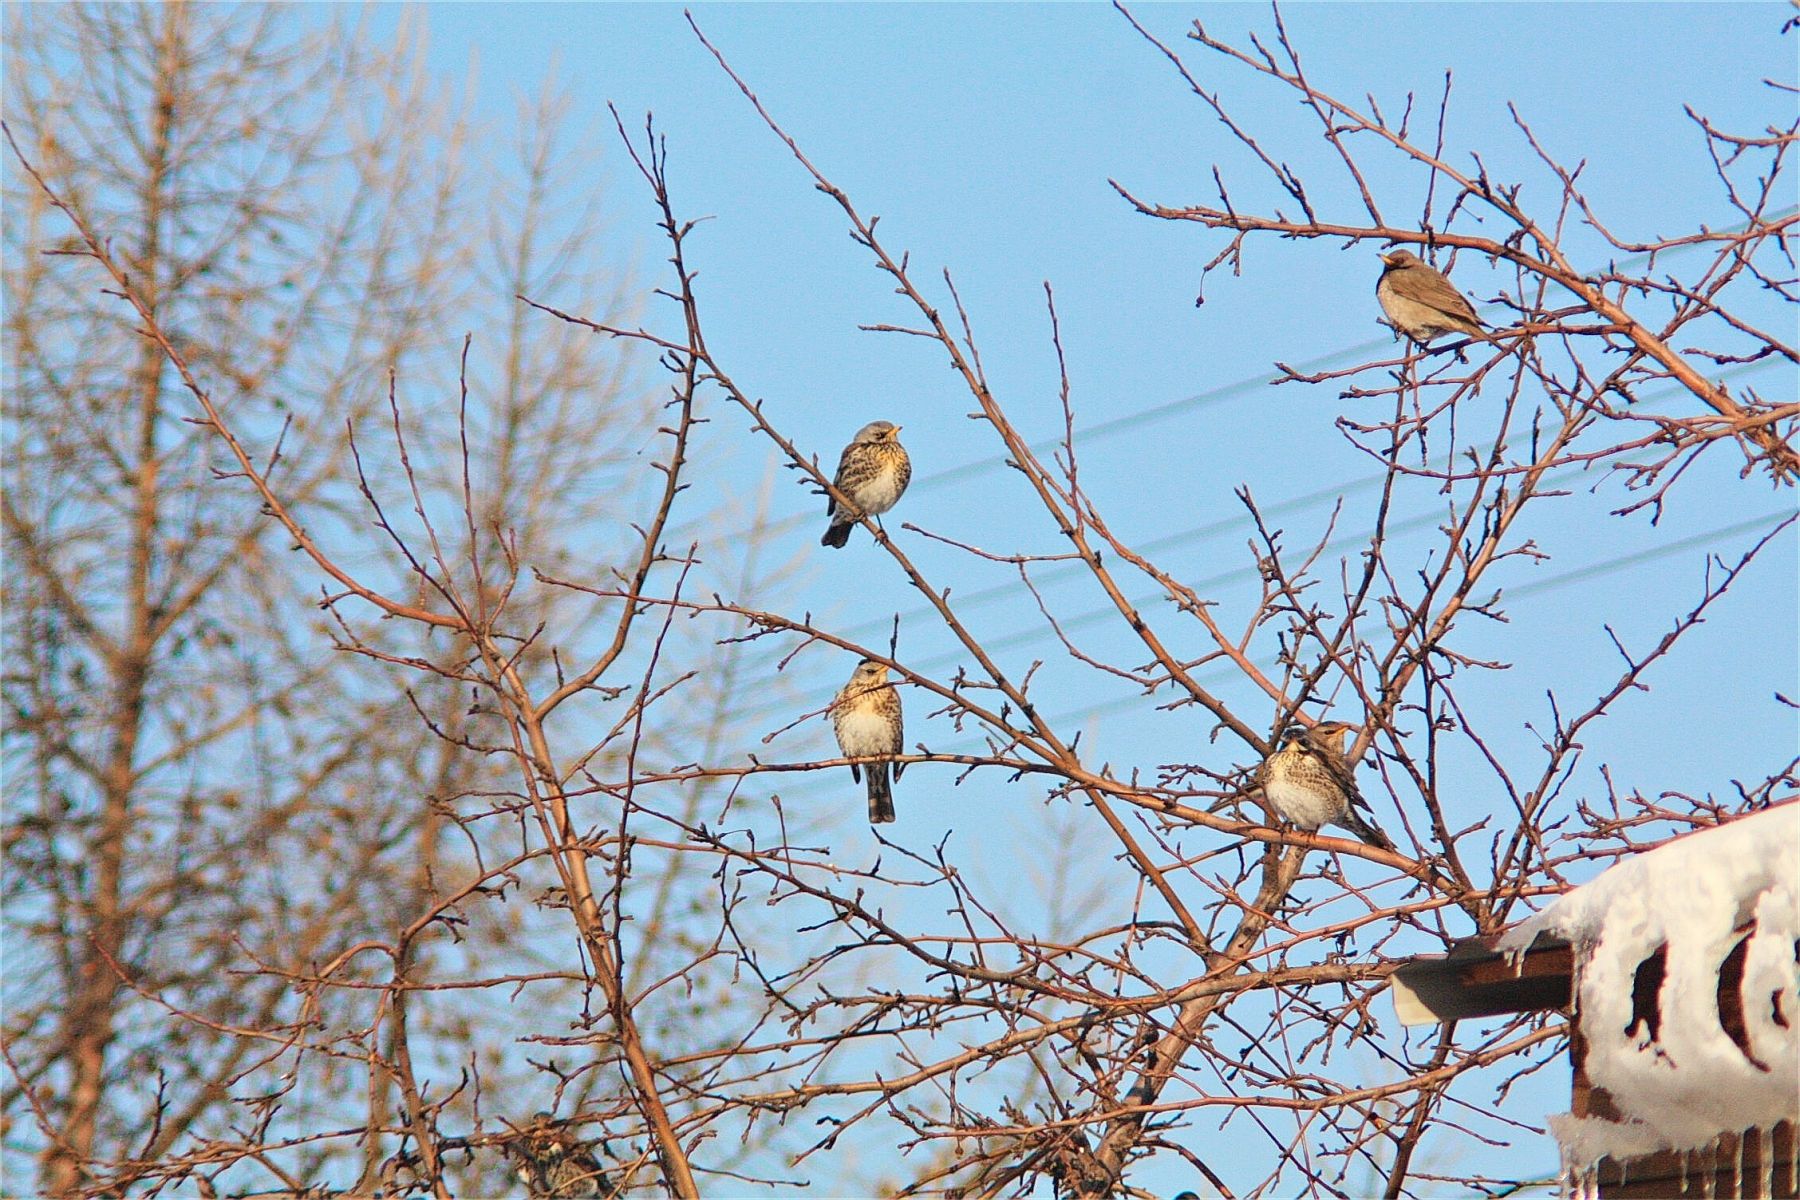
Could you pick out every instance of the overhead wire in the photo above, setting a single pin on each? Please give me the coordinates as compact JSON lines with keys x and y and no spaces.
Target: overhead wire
{"x":1199,"y":533}
{"x":1552,"y":583}
{"x":1196,"y":535}
{"x":1126,"y":422}
{"x":1036,"y":632}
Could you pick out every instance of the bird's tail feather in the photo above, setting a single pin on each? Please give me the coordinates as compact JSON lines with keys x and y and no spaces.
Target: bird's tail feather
{"x":1355,"y":823}
{"x":836,"y":535}
{"x":881,"y":796}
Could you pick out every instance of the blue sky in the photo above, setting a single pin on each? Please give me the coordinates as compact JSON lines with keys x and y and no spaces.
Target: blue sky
{"x":985,"y":136}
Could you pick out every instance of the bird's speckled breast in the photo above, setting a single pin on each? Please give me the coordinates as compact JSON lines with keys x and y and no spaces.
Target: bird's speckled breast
{"x":1305,"y":804}
{"x":882,"y":491}
{"x":864,"y":730}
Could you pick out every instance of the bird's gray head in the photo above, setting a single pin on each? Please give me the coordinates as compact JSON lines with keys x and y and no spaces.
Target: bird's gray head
{"x":1324,"y":731}
{"x":1401,"y":258}
{"x":869,"y":669}
{"x":877,"y":431}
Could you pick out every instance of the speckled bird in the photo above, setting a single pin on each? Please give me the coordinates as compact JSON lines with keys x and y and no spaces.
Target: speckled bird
{"x":1421,"y":303}
{"x":872,"y":475}
{"x":554,"y":1164}
{"x":1311,"y":783}
{"x":866,"y":716}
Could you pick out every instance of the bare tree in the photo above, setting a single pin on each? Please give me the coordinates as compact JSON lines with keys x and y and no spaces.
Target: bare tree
{"x":544,"y":847}
{"x":1220,"y":984}
{"x":163,"y":699}
{"x":206,"y":802}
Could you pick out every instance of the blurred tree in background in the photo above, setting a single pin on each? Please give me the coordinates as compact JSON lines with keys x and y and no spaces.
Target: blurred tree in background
{"x":204,"y":799}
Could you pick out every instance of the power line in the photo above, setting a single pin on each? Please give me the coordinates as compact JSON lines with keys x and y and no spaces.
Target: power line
{"x":1116,"y":425}
{"x":1101,"y":614}
{"x":970,"y":600}
{"x":1562,"y":579}
{"x":1055,"y":572}
{"x":1124,"y":423}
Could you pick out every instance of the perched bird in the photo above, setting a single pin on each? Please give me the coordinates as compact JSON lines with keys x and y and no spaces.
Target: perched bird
{"x":554,"y":1164}
{"x":1069,"y":1161}
{"x":1421,"y":303}
{"x":866,"y":716}
{"x":872,"y":474}
{"x":1310,"y":782}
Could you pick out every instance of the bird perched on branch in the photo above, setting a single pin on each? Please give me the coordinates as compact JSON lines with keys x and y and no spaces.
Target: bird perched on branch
{"x":872,"y":474}
{"x":866,"y":716}
{"x":1421,"y":303}
{"x":1069,"y":1161}
{"x":1311,"y":783}
{"x":555,"y":1164}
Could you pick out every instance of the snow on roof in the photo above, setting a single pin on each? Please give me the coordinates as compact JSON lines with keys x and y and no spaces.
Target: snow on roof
{"x":1682,"y":1080}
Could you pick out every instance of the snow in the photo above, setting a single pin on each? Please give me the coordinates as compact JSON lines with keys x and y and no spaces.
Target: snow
{"x":1681,"y":1089}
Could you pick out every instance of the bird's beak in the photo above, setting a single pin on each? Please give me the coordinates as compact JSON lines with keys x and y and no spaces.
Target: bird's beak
{"x":895,"y":431}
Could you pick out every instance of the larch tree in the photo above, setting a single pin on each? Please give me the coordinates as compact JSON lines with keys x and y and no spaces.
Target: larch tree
{"x":215,"y":785}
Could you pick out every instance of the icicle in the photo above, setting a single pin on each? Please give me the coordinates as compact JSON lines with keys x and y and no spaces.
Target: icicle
{"x":1709,"y":1158}
{"x":1684,"y":1171}
{"x":1737,"y":1164}
{"x":1765,"y":1157}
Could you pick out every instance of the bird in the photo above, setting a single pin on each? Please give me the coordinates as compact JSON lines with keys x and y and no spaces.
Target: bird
{"x":1421,"y":303}
{"x":871,"y":476}
{"x":866,"y":717}
{"x":1073,"y":1170}
{"x":554,"y":1164}
{"x":1311,"y":783}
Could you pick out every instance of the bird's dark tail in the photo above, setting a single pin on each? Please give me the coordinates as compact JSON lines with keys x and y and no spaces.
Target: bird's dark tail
{"x":836,"y":535}
{"x":881,"y":796}
{"x":1355,"y":823}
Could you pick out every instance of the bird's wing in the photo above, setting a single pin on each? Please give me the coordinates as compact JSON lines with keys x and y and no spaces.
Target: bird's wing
{"x":893,"y":698}
{"x":840,"y":481}
{"x":861,"y":464}
{"x":1339,"y":769}
{"x":1345,"y":777}
{"x":1428,"y":286}
{"x":1354,"y":822}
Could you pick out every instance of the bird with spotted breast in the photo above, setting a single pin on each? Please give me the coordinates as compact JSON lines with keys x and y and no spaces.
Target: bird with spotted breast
{"x":1311,"y":783}
{"x":1421,"y":303}
{"x":866,"y":718}
{"x":554,"y":1164}
{"x":871,"y":476}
